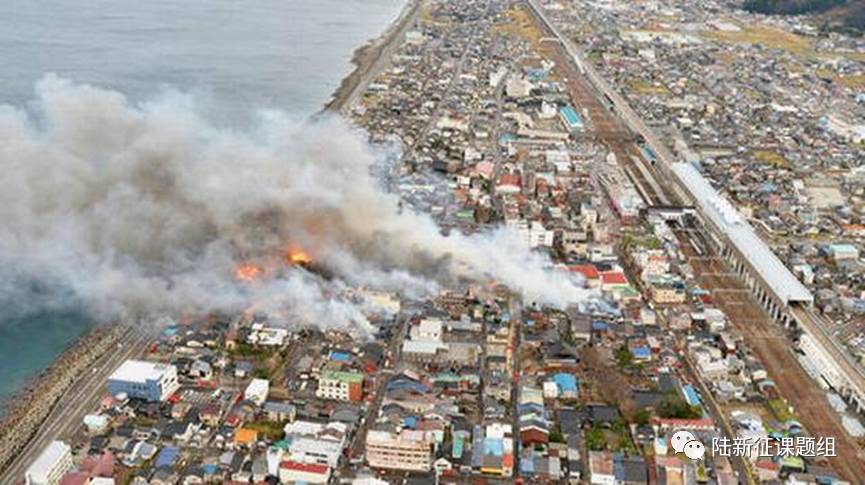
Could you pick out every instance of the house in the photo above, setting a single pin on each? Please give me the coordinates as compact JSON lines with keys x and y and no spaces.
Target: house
{"x":601,"y":468}
{"x":245,"y":436}
{"x":280,"y":411}
{"x":243,"y":369}
{"x":601,"y":414}
{"x":533,"y":433}
{"x":589,"y":272}
{"x":257,"y":391}
{"x":566,"y":385}
{"x":613,"y":280}
{"x":201,"y":369}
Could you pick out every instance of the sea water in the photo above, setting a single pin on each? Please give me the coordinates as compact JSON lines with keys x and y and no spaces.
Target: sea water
{"x":232,"y":56}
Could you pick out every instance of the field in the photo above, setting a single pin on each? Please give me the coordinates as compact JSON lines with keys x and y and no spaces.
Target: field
{"x":766,"y":36}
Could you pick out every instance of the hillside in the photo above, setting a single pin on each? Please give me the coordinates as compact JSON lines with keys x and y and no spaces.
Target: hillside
{"x":848,"y":15}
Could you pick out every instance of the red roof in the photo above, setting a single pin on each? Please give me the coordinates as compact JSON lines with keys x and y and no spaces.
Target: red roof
{"x":614,"y":278}
{"x":510,"y":179}
{"x":305,"y":467}
{"x":588,"y":270}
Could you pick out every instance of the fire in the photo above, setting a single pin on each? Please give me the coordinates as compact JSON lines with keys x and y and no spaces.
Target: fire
{"x":247,"y":272}
{"x":296,"y":255}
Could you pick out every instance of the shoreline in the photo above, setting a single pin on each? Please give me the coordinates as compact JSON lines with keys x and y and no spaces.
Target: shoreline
{"x":370,"y":58}
{"x":24,"y":411}
{"x":27,"y":408}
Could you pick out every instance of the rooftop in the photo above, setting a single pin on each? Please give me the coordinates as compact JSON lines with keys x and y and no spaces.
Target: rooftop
{"x":718,"y":209}
{"x":139,"y":371}
{"x":48,"y":459}
{"x":347,"y":377}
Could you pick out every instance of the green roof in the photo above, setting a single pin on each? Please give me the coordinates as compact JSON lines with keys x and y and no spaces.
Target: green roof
{"x":342,"y":376}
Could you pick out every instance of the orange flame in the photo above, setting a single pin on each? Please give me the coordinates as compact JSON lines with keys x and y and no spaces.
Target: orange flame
{"x":295,"y":255}
{"x":247,"y":272}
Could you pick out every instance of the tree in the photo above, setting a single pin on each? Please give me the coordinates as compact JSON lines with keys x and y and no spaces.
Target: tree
{"x":624,"y":357}
{"x":674,"y":406}
{"x":643,"y":416}
{"x":595,"y":439}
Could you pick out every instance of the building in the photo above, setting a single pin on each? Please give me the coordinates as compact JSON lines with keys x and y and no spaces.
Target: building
{"x":407,"y":450}
{"x":601,"y":471}
{"x":312,"y":442}
{"x":257,"y":391}
{"x":571,"y":119}
{"x":139,"y":379}
{"x":50,"y":466}
{"x":342,"y":386}
{"x":295,"y":472}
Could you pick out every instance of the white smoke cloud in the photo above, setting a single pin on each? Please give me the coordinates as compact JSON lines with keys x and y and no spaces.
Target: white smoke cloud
{"x":146,"y":209}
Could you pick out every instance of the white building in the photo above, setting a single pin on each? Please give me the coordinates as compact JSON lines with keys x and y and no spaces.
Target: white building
{"x":144,"y":380}
{"x":257,"y":391}
{"x":429,"y":329}
{"x":317,"y":443}
{"x":342,"y":386}
{"x":50,"y":466}
{"x":407,"y":450}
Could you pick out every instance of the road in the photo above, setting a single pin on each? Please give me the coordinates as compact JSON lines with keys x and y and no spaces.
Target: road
{"x":622,"y":108}
{"x":766,"y":339}
{"x":81,"y":399}
{"x":389,"y":42}
{"x":393,"y":353}
{"x":743,"y":470}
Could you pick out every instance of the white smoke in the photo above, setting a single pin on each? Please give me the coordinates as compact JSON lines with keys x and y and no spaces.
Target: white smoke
{"x":146,"y":209}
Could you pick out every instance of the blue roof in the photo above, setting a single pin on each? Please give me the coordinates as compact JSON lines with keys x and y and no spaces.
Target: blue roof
{"x":340,"y":356}
{"x":641,"y":352}
{"x":691,"y":395}
{"x":404,"y":383}
{"x":410,"y":421}
{"x":494,"y":446}
{"x":458,"y":446}
{"x":571,"y":117}
{"x":166,"y":456}
{"x":565,"y":382}
{"x":599,"y":325}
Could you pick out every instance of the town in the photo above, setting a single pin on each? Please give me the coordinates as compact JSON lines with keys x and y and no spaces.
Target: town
{"x":696,"y":169}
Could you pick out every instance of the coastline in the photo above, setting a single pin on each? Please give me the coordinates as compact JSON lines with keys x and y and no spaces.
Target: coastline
{"x":28,"y":408}
{"x":372,"y":57}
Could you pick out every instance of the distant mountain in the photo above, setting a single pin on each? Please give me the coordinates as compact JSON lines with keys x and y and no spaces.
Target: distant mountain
{"x":847,"y":15}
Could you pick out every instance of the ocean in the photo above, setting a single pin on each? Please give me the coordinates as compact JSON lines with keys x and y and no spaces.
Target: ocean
{"x":232,"y":56}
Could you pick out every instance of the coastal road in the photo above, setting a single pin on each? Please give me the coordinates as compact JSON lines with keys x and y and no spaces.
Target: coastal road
{"x":81,"y":398}
{"x":387,"y":46}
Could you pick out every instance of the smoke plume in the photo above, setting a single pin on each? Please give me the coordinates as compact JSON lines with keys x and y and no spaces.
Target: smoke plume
{"x":146,"y":209}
